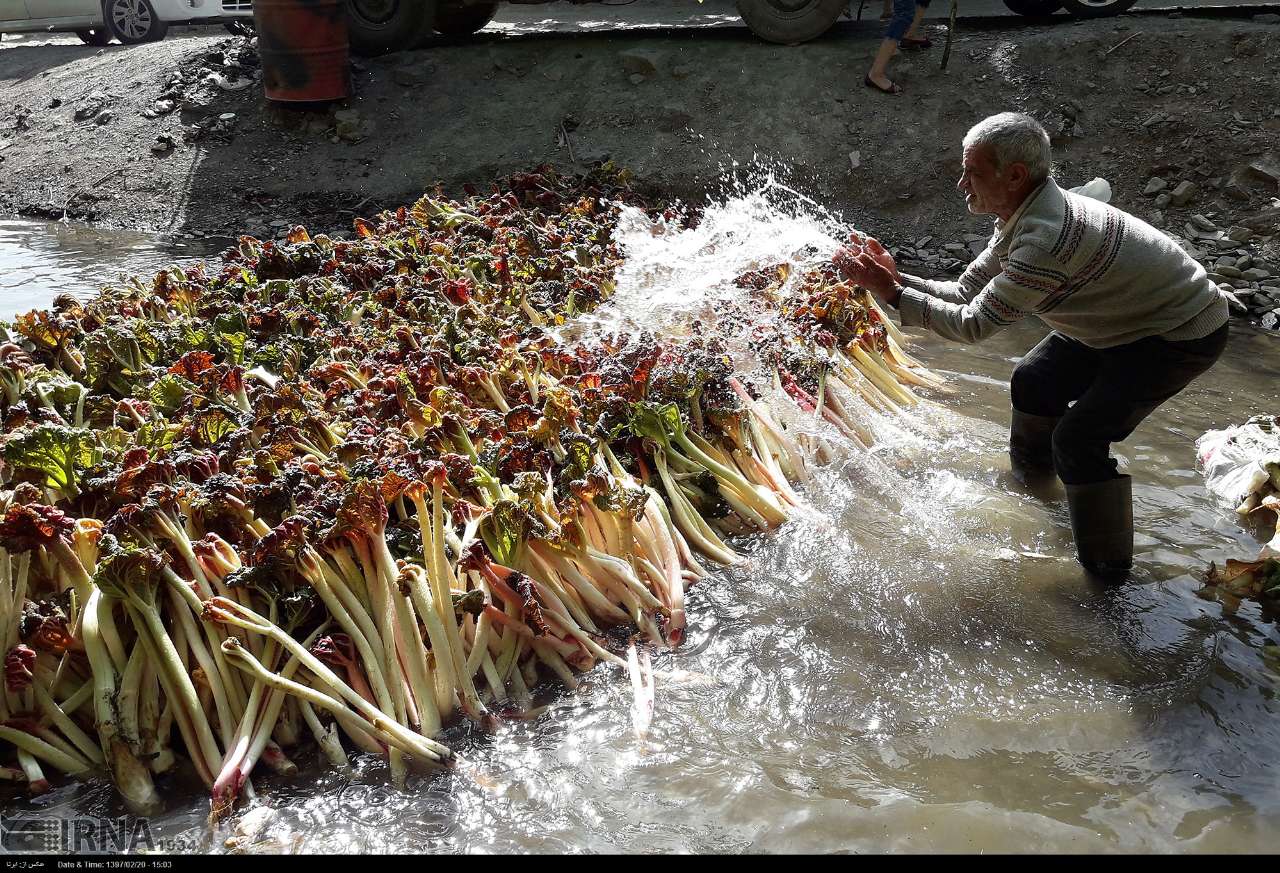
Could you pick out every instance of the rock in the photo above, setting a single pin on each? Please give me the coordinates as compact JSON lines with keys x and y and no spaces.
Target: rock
{"x":227,"y":117}
{"x":1183,"y":193}
{"x":1256,"y":274}
{"x":349,"y":131}
{"x":1217,"y":278}
{"x":1266,"y":168}
{"x":351,"y":116}
{"x":280,"y":222}
{"x":681,"y":71}
{"x":1154,"y":186}
{"x":954,"y":248}
{"x":1270,"y":283}
{"x":1267,"y":18}
{"x":1264,"y":220}
{"x":163,"y":145}
{"x":1234,"y":303}
{"x":1239,"y":233}
{"x":1229,"y":271}
{"x":1243,"y":262}
{"x":1163,"y":201}
{"x":92,"y":105}
{"x":1203,"y":223}
{"x":104,"y":117}
{"x":1156,"y":219}
{"x":1271,"y":319}
{"x":673,"y":118}
{"x":641,"y":62}
{"x":410,"y":77}
{"x":855,"y":159}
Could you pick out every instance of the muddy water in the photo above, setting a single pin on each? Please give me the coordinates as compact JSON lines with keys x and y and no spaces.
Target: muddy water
{"x":916,"y":664}
{"x":39,"y":259}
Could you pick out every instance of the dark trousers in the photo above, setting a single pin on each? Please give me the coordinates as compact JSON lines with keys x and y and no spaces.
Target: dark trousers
{"x":1101,"y":395}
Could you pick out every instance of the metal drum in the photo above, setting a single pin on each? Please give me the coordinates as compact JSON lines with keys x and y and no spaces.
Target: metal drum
{"x":303,"y":48}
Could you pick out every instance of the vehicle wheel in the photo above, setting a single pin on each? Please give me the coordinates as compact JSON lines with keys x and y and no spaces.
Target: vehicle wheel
{"x":239,"y":27}
{"x":1034,"y":8}
{"x":97,"y":36}
{"x":1097,"y":8}
{"x":790,"y":21}
{"x":457,"y":19}
{"x":375,"y":27}
{"x":133,"y":21}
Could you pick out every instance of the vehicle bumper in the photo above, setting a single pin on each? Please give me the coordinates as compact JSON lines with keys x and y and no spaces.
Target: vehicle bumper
{"x":201,"y":11}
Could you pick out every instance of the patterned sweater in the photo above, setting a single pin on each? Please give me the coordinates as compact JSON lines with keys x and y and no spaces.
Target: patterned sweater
{"x":1084,"y":268}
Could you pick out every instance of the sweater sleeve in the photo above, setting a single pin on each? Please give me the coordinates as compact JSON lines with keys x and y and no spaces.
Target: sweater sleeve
{"x":1009,"y":295}
{"x":975,"y":277}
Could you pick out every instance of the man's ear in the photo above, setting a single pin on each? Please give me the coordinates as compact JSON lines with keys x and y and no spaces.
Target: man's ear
{"x":1017,"y":175}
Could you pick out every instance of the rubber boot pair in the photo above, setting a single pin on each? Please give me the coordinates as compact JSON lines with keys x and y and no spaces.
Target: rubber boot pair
{"x":1101,"y":512}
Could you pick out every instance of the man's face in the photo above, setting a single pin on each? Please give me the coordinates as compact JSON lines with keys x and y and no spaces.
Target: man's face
{"x":984,"y":189}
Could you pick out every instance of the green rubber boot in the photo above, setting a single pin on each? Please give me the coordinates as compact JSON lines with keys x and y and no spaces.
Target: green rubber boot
{"x":1102,"y":524}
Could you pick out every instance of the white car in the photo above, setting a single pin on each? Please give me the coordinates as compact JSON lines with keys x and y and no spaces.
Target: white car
{"x":97,"y":22}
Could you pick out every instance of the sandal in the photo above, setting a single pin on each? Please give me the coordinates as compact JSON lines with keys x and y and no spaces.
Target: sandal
{"x":911,"y":42}
{"x":894,"y":87}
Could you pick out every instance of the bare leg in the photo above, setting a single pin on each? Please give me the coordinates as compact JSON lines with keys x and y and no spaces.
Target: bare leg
{"x":912,"y":31}
{"x":888,"y":48}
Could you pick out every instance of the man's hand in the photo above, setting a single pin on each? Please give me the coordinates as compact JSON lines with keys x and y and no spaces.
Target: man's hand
{"x":870,"y":271}
{"x":869,"y":245}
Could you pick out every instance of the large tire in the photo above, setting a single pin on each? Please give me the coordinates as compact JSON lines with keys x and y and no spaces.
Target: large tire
{"x":458,"y":19}
{"x":133,"y":21}
{"x":1097,"y":8}
{"x":790,"y":21}
{"x":376,"y":27}
{"x":97,"y":36}
{"x":1034,"y":8}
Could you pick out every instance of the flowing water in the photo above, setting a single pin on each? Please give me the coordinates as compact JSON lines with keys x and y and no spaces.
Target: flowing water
{"x":916,"y":664}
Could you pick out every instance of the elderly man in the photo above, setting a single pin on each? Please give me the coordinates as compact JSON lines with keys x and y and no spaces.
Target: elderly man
{"x":1134,"y":320}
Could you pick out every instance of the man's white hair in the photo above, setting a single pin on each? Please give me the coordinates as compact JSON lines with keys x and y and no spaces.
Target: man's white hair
{"x":1014,"y":138}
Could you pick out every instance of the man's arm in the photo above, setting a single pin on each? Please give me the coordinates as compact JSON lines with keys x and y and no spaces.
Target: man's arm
{"x":980,"y":271}
{"x":1007,"y":297}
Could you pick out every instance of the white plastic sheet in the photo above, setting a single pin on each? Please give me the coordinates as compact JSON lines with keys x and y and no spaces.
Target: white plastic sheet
{"x":1239,"y":462}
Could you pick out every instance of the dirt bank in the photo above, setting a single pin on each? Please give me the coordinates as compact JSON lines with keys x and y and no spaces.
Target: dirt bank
{"x":1182,"y":99}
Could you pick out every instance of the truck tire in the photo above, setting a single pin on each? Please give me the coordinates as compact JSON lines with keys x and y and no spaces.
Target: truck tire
{"x":1034,"y":8}
{"x":791,"y":22}
{"x":376,"y":27}
{"x":459,"y":19}
{"x":1097,"y":8}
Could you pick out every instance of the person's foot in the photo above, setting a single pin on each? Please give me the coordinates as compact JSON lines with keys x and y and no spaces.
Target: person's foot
{"x":882,"y":84}
{"x":916,"y":42}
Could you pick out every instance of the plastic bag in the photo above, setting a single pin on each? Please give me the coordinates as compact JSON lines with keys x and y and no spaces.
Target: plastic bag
{"x":1241,"y":465}
{"x":1097,"y":188}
